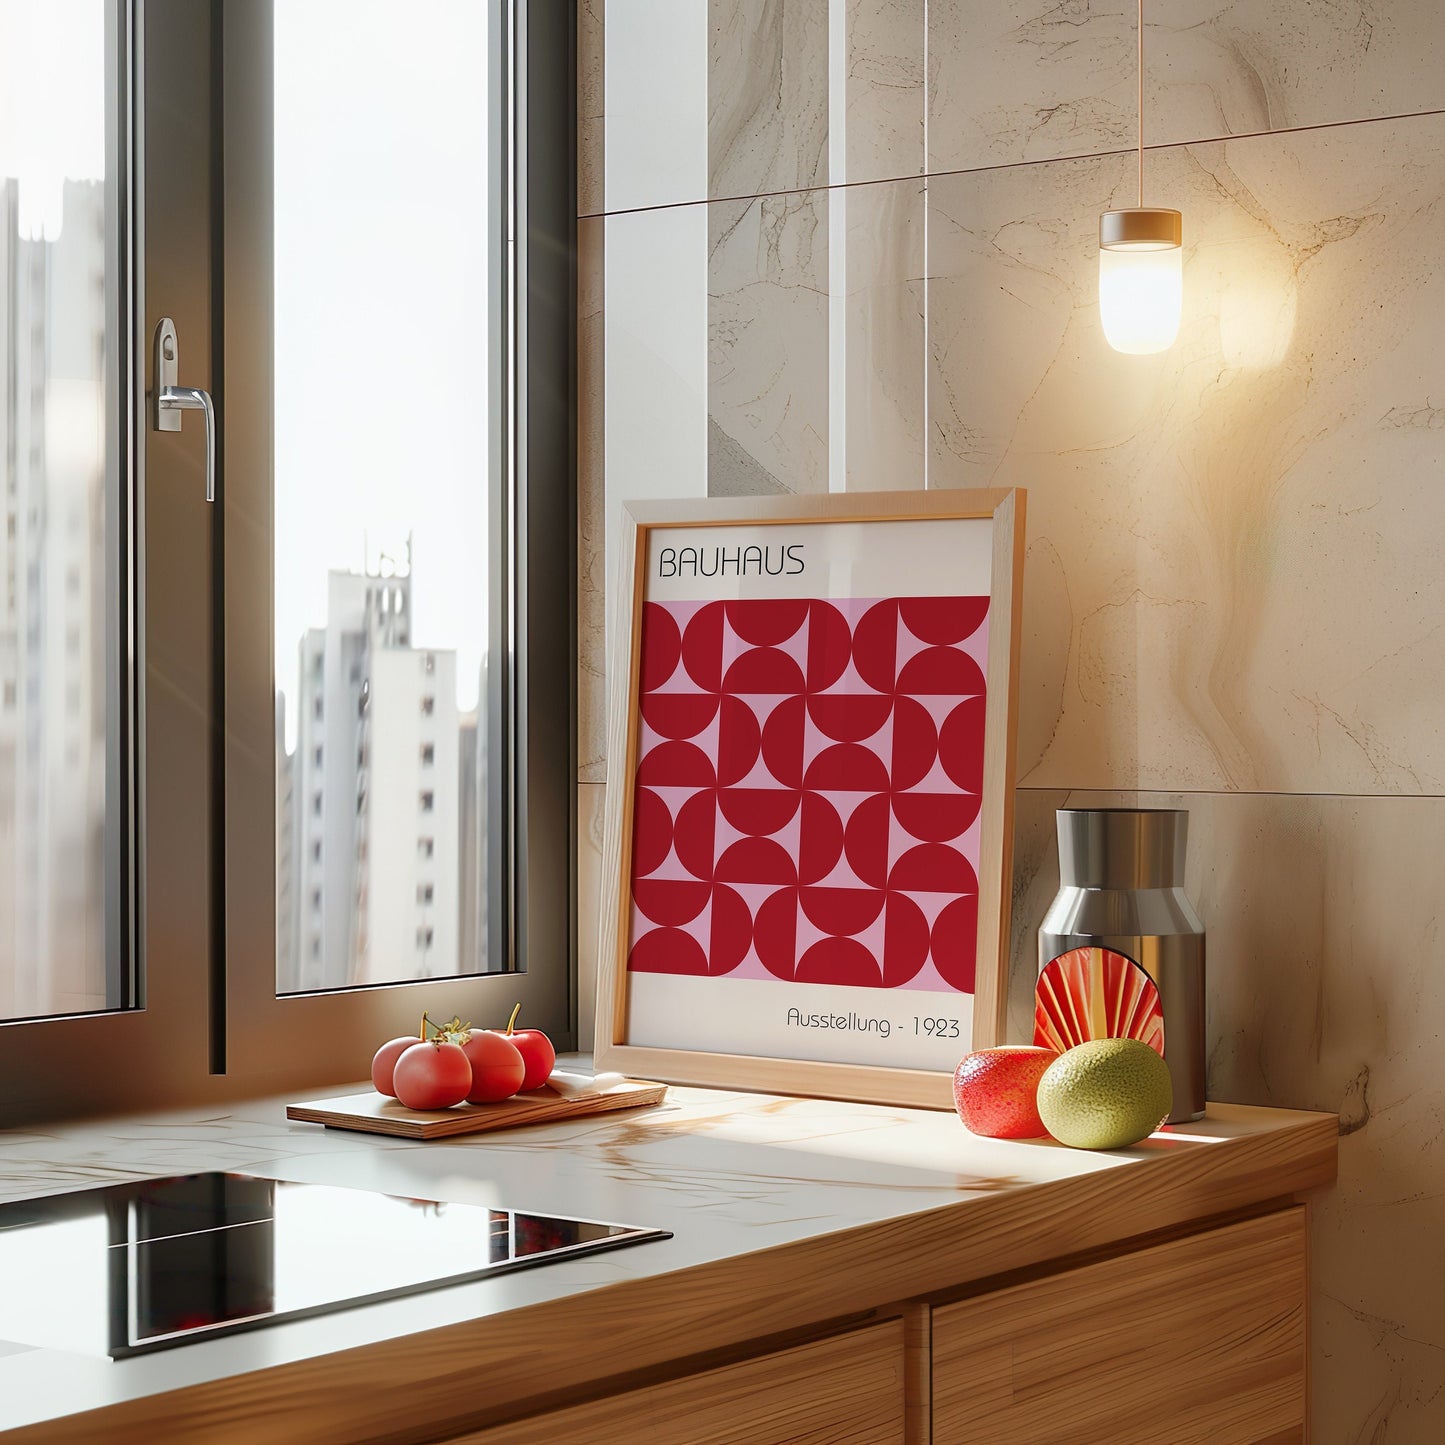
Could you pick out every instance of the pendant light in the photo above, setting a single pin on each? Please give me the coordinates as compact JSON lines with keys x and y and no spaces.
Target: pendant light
{"x":1141,"y":263}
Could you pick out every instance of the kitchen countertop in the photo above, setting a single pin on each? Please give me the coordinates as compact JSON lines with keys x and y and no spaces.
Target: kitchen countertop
{"x":729,"y":1173}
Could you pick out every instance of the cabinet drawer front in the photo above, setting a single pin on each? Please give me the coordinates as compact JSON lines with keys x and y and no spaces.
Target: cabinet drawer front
{"x":846,"y":1388}
{"x":1201,"y":1339}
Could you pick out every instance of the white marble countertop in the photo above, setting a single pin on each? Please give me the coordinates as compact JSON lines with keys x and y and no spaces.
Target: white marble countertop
{"x":728,"y":1173}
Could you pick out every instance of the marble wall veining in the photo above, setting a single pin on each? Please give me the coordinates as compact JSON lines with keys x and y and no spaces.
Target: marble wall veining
{"x":767,"y":96}
{"x":864,"y":256}
{"x":1228,"y":585}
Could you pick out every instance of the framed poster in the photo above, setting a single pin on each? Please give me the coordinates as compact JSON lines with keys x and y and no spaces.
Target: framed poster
{"x":806,"y":865}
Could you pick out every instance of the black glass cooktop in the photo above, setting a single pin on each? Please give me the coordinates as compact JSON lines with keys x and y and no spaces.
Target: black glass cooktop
{"x":137,"y":1267}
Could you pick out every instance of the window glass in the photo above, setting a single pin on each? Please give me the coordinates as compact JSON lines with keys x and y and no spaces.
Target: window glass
{"x":382,"y":288}
{"x":55,"y":332}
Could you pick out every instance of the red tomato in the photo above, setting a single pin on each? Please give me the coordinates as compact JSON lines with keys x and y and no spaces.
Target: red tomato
{"x":497,"y":1067}
{"x":537,"y":1054}
{"x":383,"y":1063}
{"x":432,"y":1075}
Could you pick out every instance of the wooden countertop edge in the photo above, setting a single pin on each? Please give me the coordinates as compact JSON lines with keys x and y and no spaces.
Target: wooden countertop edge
{"x":422,"y":1387}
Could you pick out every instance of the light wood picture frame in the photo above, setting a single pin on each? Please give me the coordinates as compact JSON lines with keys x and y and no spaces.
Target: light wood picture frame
{"x":666,"y":971}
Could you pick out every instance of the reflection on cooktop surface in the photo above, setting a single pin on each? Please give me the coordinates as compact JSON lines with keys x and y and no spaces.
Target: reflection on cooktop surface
{"x":139,"y":1266}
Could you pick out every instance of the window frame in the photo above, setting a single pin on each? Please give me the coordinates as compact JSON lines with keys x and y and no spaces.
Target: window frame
{"x":190,"y":776}
{"x":154,"y":1047}
{"x":531,"y":853}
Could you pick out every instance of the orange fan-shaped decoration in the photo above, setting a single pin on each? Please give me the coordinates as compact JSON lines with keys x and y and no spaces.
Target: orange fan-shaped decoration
{"x":1095,"y":993}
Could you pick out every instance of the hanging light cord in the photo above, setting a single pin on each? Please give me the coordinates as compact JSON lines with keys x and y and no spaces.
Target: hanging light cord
{"x":1141,"y":103}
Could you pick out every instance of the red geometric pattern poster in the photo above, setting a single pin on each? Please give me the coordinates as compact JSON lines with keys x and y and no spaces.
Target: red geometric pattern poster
{"x":807,"y":794}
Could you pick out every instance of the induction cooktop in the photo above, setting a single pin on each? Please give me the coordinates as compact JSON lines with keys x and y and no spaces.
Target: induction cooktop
{"x":131,"y":1268}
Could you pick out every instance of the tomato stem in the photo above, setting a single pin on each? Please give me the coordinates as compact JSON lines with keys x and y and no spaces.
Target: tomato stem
{"x":512,"y":1022}
{"x":424,"y":1022}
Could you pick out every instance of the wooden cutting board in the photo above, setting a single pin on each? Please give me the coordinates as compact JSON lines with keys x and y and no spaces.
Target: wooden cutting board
{"x":374,"y":1113}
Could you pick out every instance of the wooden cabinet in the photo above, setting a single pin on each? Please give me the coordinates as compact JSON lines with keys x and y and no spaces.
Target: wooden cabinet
{"x":1041,"y":1297}
{"x":1201,"y":1339}
{"x":846,"y":1389}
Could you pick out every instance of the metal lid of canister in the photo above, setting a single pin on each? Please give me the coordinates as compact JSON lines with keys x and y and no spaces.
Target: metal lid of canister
{"x":1122,"y":847}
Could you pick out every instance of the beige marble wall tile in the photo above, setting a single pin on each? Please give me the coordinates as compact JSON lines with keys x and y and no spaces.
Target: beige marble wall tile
{"x":589,"y":893}
{"x":767,"y":353}
{"x":1042,"y":79}
{"x":767,"y":96}
{"x":1326,"y":987}
{"x":591,"y":506}
{"x":884,"y":92}
{"x":1232,"y":578}
{"x":591,"y":106}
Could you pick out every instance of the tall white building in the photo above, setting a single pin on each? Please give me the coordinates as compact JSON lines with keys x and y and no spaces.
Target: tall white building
{"x":53,"y":585}
{"x":374,"y":831}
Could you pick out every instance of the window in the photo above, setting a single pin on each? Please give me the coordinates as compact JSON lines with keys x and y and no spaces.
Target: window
{"x":63,"y":946}
{"x":408,"y":192}
{"x":428,"y":802}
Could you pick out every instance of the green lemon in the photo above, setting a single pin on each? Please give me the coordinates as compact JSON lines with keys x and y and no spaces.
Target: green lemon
{"x":1105,"y":1094}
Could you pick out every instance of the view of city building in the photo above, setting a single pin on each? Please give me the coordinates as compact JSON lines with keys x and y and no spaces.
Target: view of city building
{"x":381,"y":803}
{"x":52,"y":607}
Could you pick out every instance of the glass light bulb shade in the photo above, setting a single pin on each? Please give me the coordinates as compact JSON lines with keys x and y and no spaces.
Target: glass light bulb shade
{"x":1141,"y":296}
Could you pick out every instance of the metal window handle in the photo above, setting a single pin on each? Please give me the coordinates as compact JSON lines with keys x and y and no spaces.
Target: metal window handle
{"x":171,"y":400}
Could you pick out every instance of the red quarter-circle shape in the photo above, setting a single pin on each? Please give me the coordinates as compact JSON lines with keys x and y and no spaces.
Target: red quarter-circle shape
{"x":955,"y":943}
{"x":830,"y":645}
{"x":739,"y":741}
{"x":915,"y":743}
{"x":905,"y":940}
{"x":783,"y":741}
{"x":764,"y":670}
{"x":839,"y":961}
{"x":775,"y":932}
{"x":939,"y":672}
{"x":933,"y":868}
{"x":651,"y":833}
{"x":875,"y":646}
{"x":960,"y":744}
{"x":730,"y":932}
{"x":667,"y":950}
{"x":755,"y":860}
{"x":847,"y":767}
{"x":702,"y":647}
{"x":866,"y":840}
{"x":676,"y":765}
{"x":766,"y":622}
{"x":670,"y":902}
{"x":941,"y":621}
{"x":679,"y":715}
{"x":935,"y":817}
{"x":661,"y":645}
{"x":694,"y":833}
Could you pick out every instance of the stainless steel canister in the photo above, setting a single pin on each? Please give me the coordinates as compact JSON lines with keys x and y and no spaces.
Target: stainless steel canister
{"x":1121,"y":872}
